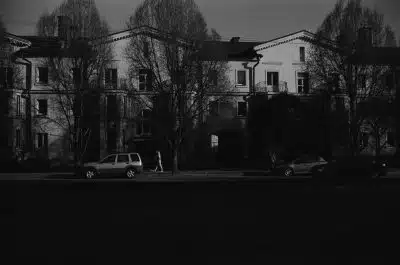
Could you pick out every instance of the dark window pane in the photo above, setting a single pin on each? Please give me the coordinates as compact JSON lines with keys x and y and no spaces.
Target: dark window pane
{"x":242,"y":109}
{"x":123,"y":158}
{"x":146,"y":114}
{"x":114,"y":76}
{"x":107,"y":76}
{"x":42,"y":108}
{"x":146,"y":127}
{"x":134,"y":158}
{"x":109,"y":159}
{"x":213,"y":77}
{"x":76,"y":76}
{"x":10,"y":74}
{"x":302,"y":54}
{"x":241,"y":77}
{"x":43,"y":75}
{"x":214,"y":108}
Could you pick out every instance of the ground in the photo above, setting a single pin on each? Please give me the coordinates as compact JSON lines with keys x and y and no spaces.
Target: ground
{"x":213,"y":222}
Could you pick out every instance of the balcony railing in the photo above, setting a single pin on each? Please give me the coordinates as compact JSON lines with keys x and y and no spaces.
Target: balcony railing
{"x":264,"y":88}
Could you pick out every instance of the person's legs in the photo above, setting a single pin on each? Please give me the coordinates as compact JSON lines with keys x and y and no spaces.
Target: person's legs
{"x":160,"y":166}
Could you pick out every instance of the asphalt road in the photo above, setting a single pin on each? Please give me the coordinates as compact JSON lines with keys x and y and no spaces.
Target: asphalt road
{"x":214,"y":222}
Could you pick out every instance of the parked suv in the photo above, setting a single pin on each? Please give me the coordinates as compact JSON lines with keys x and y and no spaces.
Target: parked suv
{"x":304,"y":164}
{"x":127,"y":164}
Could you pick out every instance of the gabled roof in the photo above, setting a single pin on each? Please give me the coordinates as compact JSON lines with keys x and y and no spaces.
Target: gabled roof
{"x":227,"y":51}
{"x":142,"y":30}
{"x":304,"y":35}
{"x":16,"y":40}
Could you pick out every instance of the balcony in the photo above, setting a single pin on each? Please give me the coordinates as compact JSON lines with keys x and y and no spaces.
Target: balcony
{"x":262,"y":87}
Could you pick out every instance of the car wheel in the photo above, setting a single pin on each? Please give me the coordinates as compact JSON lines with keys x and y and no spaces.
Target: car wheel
{"x":90,"y":173}
{"x":288,"y":172}
{"x":130,"y":173}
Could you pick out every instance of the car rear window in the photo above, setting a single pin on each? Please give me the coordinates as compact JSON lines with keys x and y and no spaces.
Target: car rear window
{"x":123,"y":158}
{"x":134,"y":157}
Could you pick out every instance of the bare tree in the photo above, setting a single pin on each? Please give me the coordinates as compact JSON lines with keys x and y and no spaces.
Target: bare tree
{"x":328,"y":65}
{"x":76,"y":71}
{"x":176,"y":72}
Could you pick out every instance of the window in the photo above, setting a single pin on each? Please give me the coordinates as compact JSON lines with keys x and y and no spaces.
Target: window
{"x":364,"y":139}
{"x":18,"y":105}
{"x":242,"y":108}
{"x":145,"y":80}
{"x":109,"y":159}
{"x":214,"y":142}
{"x":18,"y":138}
{"x":362,"y":81}
{"x":43,"y":75}
{"x":144,"y":123}
{"x":213,"y":77}
{"x":146,"y":52}
{"x":302,"y":54}
{"x":42,"y":107}
{"x":214,"y":108}
{"x":273,"y":79}
{"x":123,"y":159}
{"x":340,"y":103}
{"x":111,"y":76}
{"x":241,"y":77}
{"x":6,"y":76}
{"x":134,"y":157}
{"x":390,"y":138}
{"x":302,"y":83}
{"x":76,"y":76}
{"x":42,"y":140}
{"x":335,"y":77}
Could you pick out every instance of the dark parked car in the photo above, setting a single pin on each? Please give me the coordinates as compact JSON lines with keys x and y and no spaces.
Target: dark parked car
{"x":304,"y":164}
{"x":351,"y":169}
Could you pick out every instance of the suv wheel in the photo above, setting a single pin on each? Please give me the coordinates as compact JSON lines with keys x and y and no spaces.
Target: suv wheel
{"x":130,"y":173}
{"x":288,"y":172}
{"x":90,"y":173}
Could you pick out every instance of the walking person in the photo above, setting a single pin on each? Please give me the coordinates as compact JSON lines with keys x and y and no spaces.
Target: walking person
{"x":158,"y":162}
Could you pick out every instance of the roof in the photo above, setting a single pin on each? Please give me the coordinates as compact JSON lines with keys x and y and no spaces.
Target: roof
{"x":227,"y":51}
{"x":16,"y":40}
{"x":43,"y":42}
{"x":304,"y":35}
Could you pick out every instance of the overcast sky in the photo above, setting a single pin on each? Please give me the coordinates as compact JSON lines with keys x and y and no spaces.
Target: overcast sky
{"x":249,"y":19}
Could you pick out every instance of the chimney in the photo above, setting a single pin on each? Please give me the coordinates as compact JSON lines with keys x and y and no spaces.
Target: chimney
{"x":62,"y":27}
{"x":235,"y":39}
{"x":365,"y":37}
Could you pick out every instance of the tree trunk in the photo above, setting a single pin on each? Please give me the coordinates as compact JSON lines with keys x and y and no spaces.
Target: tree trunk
{"x":175,"y":152}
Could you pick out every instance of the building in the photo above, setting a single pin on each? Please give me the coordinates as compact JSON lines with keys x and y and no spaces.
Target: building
{"x":13,"y":86}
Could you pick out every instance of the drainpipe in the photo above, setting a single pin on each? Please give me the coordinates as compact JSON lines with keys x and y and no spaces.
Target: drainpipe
{"x":252,"y":87}
{"x":28,"y":118}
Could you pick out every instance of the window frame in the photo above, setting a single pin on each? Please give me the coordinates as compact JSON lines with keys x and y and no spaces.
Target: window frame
{"x":238,"y":109}
{"x":104,"y":159}
{"x":121,"y":155}
{"x":245,"y":78}
{"x":43,"y":139}
{"x":303,"y":76}
{"x":302,"y":54}
{"x":271,"y":78}
{"x":41,"y":79}
{"x":147,"y":83}
{"x":39,"y":113}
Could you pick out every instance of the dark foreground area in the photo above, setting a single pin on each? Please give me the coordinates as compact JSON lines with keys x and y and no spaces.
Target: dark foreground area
{"x":201,"y":223}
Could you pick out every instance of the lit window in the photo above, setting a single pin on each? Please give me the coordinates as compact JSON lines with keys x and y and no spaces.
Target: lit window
{"x":214,"y":142}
